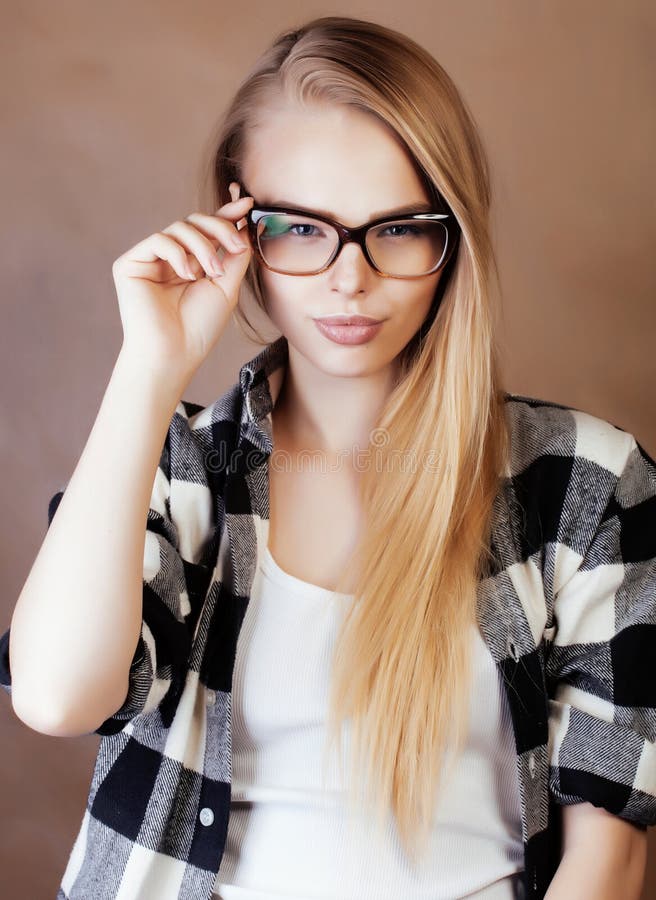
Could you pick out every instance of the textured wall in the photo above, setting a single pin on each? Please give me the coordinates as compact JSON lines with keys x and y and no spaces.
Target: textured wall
{"x":107,"y":108}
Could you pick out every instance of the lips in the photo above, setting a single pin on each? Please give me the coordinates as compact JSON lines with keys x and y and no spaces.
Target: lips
{"x":348,"y":320}
{"x":356,"y":333}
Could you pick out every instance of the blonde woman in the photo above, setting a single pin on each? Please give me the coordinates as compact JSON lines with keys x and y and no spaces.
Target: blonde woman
{"x":387,"y":632}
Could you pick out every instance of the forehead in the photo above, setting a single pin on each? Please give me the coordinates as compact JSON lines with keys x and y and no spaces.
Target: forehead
{"x":329,"y":157}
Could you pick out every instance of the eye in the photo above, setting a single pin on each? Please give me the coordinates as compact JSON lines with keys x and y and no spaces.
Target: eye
{"x":402,"y":229}
{"x":302,"y":225}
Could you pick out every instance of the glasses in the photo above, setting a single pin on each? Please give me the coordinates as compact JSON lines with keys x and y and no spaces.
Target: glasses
{"x":301,"y":242}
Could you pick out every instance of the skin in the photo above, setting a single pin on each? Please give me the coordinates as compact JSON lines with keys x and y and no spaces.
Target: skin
{"x":604,"y":856}
{"x":350,"y":166}
{"x":346,"y":163}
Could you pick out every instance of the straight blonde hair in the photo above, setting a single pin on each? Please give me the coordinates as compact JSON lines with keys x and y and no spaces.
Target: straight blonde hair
{"x":401,"y":670}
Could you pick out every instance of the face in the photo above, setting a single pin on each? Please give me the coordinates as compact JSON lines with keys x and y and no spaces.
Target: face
{"x":346,"y":164}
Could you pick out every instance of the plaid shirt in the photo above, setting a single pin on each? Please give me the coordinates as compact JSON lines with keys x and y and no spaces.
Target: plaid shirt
{"x":568,"y":614}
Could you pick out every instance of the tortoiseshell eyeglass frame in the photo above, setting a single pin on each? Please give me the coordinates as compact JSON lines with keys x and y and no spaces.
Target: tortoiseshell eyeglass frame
{"x":357,"y":235}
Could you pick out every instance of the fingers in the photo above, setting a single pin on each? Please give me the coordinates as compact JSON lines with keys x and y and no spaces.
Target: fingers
{"x":155,"y":247}
{"x":190,"y":243}
{"x":201,"y":235}
{"x":235,"y":190}
{"x":234,"y":203}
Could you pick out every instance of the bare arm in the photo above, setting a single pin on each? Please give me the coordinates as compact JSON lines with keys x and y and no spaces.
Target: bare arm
{"x":77,"y":620}
{"x":604,"y":857}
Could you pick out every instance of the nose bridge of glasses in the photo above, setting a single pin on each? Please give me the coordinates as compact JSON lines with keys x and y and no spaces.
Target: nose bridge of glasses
{"x":357,"y":236}
{"x":352,"y":236}
{"x":350,"y":232}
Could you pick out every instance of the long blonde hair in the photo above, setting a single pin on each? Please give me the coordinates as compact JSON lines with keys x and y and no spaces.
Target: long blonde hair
{"x":401,"y":667}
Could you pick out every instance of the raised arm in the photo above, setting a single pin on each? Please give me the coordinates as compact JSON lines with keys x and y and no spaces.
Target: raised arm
{"x":75,"y":629}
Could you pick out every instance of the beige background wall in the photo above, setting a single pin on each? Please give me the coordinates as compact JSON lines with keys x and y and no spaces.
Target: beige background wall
{"x":106,"y":108}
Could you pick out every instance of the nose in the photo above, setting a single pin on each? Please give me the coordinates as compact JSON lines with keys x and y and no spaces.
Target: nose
{"x":350,"y":270}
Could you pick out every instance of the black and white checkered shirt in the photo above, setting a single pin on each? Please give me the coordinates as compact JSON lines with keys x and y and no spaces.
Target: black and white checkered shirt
{"x":568,"y":615}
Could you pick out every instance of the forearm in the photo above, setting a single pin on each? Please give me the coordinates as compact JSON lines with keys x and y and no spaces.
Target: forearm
{"x":77,"y":620}
{"x":592,"y":873}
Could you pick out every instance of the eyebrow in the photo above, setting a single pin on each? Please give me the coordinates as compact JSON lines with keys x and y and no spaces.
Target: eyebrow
{"x":409,"y":209}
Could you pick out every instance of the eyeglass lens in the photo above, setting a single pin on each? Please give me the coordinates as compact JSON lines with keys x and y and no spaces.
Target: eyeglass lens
{"x":301,"y":245}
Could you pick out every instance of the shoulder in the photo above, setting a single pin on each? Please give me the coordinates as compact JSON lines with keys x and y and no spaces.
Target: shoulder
{"x":567,"y":471}
{"x":564,"y":441}
{"x":197,"y":431}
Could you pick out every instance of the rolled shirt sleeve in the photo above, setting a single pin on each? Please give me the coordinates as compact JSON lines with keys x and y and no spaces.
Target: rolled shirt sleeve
{"x":165,"y":640}
{"x":601,"y":666}
{"x":171,"y":585}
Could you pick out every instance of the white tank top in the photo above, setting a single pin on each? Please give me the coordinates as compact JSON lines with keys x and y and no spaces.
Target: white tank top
{"x":289,"y":835}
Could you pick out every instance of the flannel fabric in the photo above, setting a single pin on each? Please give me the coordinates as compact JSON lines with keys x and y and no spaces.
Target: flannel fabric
{"x":568,"y":613}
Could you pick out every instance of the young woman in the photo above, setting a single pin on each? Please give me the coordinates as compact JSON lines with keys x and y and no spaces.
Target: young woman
{"x":366,"y":537}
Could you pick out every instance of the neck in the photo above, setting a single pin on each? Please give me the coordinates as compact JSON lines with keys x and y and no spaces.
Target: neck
{"x":327,"y":413}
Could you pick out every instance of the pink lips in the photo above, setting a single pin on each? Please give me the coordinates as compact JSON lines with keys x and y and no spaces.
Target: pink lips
{"x":349,"y":330}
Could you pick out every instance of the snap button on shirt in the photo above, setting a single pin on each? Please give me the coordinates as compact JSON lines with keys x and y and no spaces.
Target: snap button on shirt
{"x":512,"y":649}
{"x":206,"y":816}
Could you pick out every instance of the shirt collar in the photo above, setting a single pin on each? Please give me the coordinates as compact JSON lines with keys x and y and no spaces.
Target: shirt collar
{"x":260,"y":380}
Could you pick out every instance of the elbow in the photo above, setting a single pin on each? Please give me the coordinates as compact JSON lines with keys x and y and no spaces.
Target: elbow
{"x":43,"y":719}
{"x":46,"y":717}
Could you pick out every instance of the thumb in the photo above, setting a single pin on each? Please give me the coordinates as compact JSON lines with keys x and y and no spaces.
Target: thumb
{"x":235,"y":264}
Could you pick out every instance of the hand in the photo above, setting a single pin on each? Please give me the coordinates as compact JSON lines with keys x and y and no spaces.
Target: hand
{"x":173,"y":306}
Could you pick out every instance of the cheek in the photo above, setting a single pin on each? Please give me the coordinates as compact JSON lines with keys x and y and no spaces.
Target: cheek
{"x":432,"y":291}
{"x":415,"y":309}
{"x":421,"y":301}
{"x":279,"y":296}
{"x":271,"y":290}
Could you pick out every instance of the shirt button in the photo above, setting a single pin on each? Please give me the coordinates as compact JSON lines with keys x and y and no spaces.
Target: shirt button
{"x":210,"y":698}
{"x":206,"y":816}
{"x":531,"y":765}
{"x":512,"y":649}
